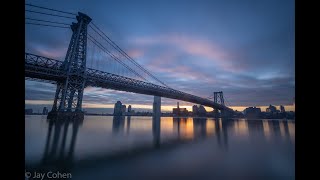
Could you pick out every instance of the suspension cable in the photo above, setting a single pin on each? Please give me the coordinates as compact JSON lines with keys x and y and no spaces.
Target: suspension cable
{"x":49,"y":14}
{"x":27,"y":4}
{"x":93,"y":40}
{"x":46,"y":25}
{"x":46,"y":21}
{"x":114,"y":45}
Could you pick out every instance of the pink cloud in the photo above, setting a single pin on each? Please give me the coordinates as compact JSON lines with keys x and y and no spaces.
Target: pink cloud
{"x":194,"y":46}
{"x":135,"y":53}
{"x":58,"y":53}
{"x":160,"y":64}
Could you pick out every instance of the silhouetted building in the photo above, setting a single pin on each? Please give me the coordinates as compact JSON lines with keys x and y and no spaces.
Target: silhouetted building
{"x":45,"y":111}
{"x":238,"y":114}
{"x":28,"y":111}
{"x":129,"y":111}
{"x":271,"y":109}
{"x":117,"y":111}
{"x":252,"y":112}
{"x":123,"y":109}
{"x":179,"y":111}
{"x":282,"y":109}
{"x":202,"y":110}
{"x":129,"y":108}
{"x":195,"y":110}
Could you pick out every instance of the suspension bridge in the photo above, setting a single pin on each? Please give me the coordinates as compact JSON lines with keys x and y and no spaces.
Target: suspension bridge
{"x":109,"y":67}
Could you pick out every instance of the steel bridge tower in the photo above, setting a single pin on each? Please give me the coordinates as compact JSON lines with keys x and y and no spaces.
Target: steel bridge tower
{"x":68,"y":98}
{"x":218,"y":97}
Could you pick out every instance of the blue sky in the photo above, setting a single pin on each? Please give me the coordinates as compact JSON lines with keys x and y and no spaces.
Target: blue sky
{"x":244,"y":48}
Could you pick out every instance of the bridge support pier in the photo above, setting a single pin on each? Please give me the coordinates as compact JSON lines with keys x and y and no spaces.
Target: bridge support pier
{"x":215,"y":113}
{"x":157,"y":106}
{"x":156,"y":120}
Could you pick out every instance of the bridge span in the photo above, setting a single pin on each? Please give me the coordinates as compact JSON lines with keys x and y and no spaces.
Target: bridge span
{"x":43,"y":68}
{"x":72,"y":76}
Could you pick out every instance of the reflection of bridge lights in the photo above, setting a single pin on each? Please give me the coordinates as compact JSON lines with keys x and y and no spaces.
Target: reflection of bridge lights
{"x":266,"y":129}
{"x":210,"y":127}
{"x":291,"y":127}
{"x":166,"y":125}
{"x":186,"y":128}
{"x":282,"y":131}
{"x":241,"y":128}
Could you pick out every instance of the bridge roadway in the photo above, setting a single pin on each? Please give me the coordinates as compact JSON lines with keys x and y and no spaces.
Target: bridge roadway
{"x":51,"y":70}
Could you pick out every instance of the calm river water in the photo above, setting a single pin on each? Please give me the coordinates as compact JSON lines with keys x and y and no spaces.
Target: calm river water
{"x":107,"y":147}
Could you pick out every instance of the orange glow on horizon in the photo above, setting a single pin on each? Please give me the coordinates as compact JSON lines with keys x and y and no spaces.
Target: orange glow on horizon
{"x":164,"y":108}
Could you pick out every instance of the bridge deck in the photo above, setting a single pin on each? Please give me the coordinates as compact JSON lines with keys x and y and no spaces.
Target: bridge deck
{"x":43,"y":68}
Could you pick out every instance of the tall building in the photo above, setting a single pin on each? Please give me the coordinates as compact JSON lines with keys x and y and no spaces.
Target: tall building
{"x":202,"y":110}
{"x":117,"y":111}
{"x":45,"y":111}
{"x":129,"y":108}
{"x":123,"y":109}
{"x":271,"y":109}
{"x":195,"y":110}
{"x":282,"y":109}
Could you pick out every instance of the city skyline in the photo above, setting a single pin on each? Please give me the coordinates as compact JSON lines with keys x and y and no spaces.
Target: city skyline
{"x":245,"y":50}
{"x":146,"y":108}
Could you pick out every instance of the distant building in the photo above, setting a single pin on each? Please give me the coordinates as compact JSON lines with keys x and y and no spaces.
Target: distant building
{"x":282,"y":109}
{"x":45,"y":111}
{"x":195,"y":110}
{"x":252,"y":112}
{"x":117,"y":111}
{"x":202,"y":110}
{"x":123,"y":109}
{"x":129,"y":108}
{"x":179,"y":111}
{"x":271,"y":109}
{"x":28,"y":111}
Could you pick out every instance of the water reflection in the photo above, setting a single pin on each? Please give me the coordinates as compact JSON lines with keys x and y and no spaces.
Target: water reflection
{"x":156,"y":130}
{"x":221,"y":129}
{"x":118,"y":124}
{"x":59,"y":149}
{"x":200,"y":127}
{"x":69,"y":141}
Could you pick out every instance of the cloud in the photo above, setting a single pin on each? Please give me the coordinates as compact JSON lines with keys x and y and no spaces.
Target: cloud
{"x":135,"y":53}
{"x":201,"y":50}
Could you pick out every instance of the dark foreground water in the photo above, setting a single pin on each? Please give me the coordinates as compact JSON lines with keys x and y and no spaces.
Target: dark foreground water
{"x":105,"y":147}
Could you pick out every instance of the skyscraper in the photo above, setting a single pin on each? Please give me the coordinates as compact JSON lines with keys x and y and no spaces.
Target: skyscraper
{"x":195,"y":110}
{"x":129,"y":108}
{"x":202,"y":110}
{"x":117,"y":111}
{"x":123,"y":109}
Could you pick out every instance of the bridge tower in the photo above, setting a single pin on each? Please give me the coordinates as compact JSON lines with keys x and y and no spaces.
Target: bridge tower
{"x":68,"y":98}
{"x":218,"y":98}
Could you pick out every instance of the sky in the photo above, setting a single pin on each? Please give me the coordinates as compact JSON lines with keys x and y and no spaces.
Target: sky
{"x":245,"y":48}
